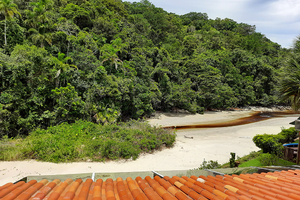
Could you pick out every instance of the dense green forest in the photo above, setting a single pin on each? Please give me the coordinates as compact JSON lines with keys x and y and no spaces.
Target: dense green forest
{"x":106,"y":60}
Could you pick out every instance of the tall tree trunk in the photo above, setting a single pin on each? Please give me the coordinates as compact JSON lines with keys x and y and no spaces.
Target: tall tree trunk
{"x":2,"y":78}
{"x":5,"y":42}
{"x":68,"y":47}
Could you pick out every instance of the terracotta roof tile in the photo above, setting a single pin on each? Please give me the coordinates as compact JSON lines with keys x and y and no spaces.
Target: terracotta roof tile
{"x":284,"y":185}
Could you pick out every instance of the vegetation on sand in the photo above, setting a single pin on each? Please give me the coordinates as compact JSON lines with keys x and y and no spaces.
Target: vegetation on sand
{"x":86,"y":141}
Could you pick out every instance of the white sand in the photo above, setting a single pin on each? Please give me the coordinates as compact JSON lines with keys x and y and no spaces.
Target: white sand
{"x":208,"y":144}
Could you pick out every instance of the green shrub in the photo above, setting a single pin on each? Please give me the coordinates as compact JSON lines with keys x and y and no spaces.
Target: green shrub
{"x":210,"y":165}
{"x":84,"y":140}
{"x":273,"y":143}
{"x":267,"y":159}
{"x":10,"y":149}
{"x":232,"y":160}
{"x":287,"y":135}
{"x":268,"y":143}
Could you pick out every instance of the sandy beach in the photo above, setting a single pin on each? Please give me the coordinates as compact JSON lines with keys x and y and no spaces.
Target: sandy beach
{"x":187,"y":153}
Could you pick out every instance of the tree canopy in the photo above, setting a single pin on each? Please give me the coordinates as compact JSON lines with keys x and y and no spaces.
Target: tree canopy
{"x":107,"y":60}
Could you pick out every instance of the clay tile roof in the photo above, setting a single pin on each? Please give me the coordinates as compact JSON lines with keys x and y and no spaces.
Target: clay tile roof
{"x":284,"y":185}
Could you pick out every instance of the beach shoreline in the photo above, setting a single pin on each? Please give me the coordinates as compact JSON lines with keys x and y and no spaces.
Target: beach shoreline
{"x":209,"y":117}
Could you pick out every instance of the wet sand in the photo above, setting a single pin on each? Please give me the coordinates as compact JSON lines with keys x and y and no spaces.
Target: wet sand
{"x":207,"y":143}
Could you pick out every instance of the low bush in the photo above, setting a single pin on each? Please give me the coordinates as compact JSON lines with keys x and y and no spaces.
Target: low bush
{"x":273,"y":143}
{"x":268,"y":143}
{"x":258,"y":159}
{"x":84,"y":140}
{"x":267,"y":159}
{"x":210,"y":165}
{"x":250,"y":156}
{"x":287,"y":135}
{"x":11,"y":149}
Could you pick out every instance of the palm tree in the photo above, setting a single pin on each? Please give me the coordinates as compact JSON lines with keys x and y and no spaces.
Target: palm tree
{"x":40,"y":36}
{"x":109,"y":52}
{"x":8,"y":9}
{"x":39,"y":14}
{"x":289,"y":87}
{"x":290,"y":84}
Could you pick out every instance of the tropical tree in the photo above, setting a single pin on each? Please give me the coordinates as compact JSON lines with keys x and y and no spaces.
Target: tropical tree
{"x":109,"y":52}
{"x":39,"y":15}
{"x":289,"y":87}
{"x":63,"y":66}
{"x":40,"y":36}
{"x":40,"y":23}
{"x":296,"y":45}
{"x":8,"y":9}
{"x":68,"y":28}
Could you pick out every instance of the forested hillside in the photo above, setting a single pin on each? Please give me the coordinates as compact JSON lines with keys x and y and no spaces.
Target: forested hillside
{"x":108,"y":60}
